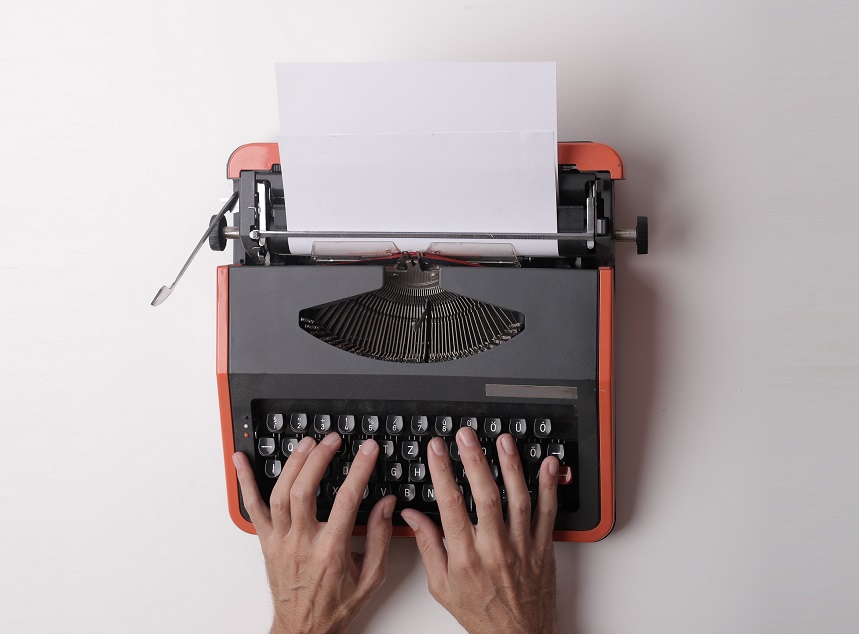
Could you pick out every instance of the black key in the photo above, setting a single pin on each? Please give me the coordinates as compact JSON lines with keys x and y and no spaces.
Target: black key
{"x":428,"y":493}
{"x":542,"y":427}
{"x":420,"y":425}
{"x":331,"y":490}
{"x":346,"y":424}
{"x":533,"y":452}
{"x":386,"y":449}
{"x":443,"y":425}
{"x":298,"y":422}
{"x":366,"y":492}
{"x":322,"y":423}
{"x":518,"y":427}
{"x":454,"y":452}
{"x":410,"y":449}
{"x":288,"y":445}
{"x":495,"y":471}
{"x":344,"y":468}
{"x":503,"y":493}
{"x":393,"y":472}
{"x":407,"y":492}
{"x":533,"y":474}
{"x":469,"y":504}
{"x":417,"y":472}
{"x":555,"y":450}
{"x":468,"y":421}
{"x":370,"y":425}
{"x":274,"y":422}
{"x":356,"y":445}
{"x":266,"y":446}
{"x":381,"y":489}
{"x":394,"y":425}
{"x":492,"y":427}
{"x":460,"y":475}
{"x":488,"y":451}
{"x":272,"y":468}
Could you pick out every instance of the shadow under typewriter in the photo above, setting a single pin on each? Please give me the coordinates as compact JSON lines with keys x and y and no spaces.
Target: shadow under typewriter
{"x":411,"y":319}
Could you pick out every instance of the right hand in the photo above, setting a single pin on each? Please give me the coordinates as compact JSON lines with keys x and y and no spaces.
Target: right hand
{"x":493,"y":577}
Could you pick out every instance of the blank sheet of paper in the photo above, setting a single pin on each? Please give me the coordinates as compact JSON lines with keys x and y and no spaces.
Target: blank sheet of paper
{"x":420,"y":148}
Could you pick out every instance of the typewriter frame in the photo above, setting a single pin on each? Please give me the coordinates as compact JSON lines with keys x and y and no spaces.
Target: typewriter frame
{"x":585,"y":157}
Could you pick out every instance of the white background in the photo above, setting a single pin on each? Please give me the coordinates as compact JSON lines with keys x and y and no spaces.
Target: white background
{"x":737,"y":353}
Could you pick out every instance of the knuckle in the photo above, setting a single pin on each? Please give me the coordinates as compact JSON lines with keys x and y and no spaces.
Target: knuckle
{"x":346,"y":498}
{"x":453,"y":500}
{"x":490,"y":503}
{"x":298,"y":496}
{"x":473,"y":456}
{"x":440,"y":466}
{"x":521,"y":507}
{"x":514,"y":466}
{"x":278,"y":505}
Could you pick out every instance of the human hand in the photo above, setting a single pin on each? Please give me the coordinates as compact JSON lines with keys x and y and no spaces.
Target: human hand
{"x":318,"y":584}
{"x":492,"y":577}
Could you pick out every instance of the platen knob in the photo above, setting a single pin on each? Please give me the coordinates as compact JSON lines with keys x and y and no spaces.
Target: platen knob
{"x":641,"y":235}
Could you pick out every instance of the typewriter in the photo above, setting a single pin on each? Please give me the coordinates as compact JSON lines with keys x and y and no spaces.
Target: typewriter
{"x":404,"y":346}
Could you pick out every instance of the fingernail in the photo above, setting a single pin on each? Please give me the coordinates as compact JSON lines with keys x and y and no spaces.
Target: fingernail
{"x":466,"y":436}
{"x":388,"y":509}
{"x":306,"y":444}
{"x":368,"y":446}
{"x":438,"y":448}
{"x":331,"y":440}
{"x":508,"y":444}
{"x":553,"y":468}
{"x":236,"y":459}
{"x":410,"y":521}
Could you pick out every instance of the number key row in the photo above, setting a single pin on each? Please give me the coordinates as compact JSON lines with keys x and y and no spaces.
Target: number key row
{"x":396,"y":425}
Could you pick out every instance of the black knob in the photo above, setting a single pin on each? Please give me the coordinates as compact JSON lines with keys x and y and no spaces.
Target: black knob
{"x":641,"y":235}
{"x":217,"y":239}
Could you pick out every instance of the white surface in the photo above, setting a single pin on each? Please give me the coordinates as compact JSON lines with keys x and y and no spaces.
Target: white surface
{"x":421,"y":147}
{"x":737,"y":352}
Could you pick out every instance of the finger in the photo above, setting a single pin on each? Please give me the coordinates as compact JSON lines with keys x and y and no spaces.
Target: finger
{"x":302,"y":496}
{"x":279,"y":500}
{"x":487,"y":499}
{"x":256,"y":508}
{"x":433,"y":553}
{"x":547,"y":502}
{"x":458,"y":528}
{"x":375,"y":562}
{"x":518,"y":498}
{"x":341,"y":521}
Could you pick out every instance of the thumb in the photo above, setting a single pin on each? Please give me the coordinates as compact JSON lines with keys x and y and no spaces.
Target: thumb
{"x":375,"y":561}
{"x":431,"y":547}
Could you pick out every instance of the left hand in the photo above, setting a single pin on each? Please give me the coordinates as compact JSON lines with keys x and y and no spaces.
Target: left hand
{"x":318,"y":583}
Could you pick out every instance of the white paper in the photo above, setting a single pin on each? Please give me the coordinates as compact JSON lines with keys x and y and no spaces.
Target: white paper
{"x":420,"y":148}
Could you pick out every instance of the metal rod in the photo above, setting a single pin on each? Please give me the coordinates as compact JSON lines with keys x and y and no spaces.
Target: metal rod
{"x":165,"y":291}
{"x":625,"y":235}
{"x":255,"y":235}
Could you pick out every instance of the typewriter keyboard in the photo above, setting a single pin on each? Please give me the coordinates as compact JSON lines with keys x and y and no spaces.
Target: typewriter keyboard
{"x":402,"y":468}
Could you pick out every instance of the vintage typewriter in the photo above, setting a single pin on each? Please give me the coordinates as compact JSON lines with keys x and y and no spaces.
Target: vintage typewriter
{"x":404,"y":346}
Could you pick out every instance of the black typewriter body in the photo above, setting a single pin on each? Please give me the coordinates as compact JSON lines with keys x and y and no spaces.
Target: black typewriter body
{"x":287,"y":384}
{"x":407,"y":346}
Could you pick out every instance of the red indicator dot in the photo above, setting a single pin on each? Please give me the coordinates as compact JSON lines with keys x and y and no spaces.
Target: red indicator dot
{"x":247,"y":434}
